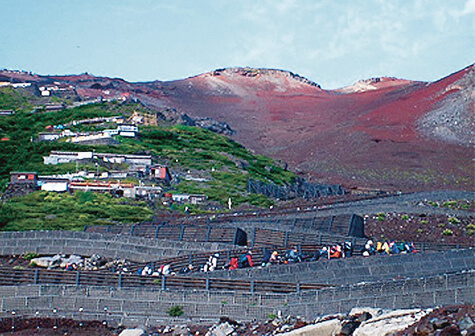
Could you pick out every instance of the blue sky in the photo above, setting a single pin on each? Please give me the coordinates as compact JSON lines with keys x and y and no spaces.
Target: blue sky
{"x":333,"y":43}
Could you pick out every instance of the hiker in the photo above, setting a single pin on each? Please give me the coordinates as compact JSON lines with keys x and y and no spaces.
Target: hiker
{"x":187,"y":269}
{"x":314,"y":256}
{"x":274,"y":258}
{"x":245,"y":260}
{"x":335,"y":252}
{"x":233,"y":264}
{"x":147,"y":270}
{"x":211,"y":263}
{"x":393,"y":248}
{"x":410,"y":248}
{"x":265,"y":261}
{"x":384,"y":248}
{"x":164,"y":269}
{"x":368,"y":249}
{"x":293,"y":255}
{"x":347,"y":249}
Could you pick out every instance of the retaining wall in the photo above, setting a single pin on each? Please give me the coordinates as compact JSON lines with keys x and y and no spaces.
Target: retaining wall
{"x":358,"y":269}
{"x":131,"y":307}
{"x":107,"y":245}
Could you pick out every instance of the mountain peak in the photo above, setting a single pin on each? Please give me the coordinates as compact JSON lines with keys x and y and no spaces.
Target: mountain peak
{"x":263,"y":72}
{"x":374,"y":83}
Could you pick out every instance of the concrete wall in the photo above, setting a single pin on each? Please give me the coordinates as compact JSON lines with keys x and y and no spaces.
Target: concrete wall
{"x":107,"y":245}
{"x":131,"y":307}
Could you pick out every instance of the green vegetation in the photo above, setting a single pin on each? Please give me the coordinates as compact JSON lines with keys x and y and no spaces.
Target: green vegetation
{"x":44,"y":210}
{"x":405,"y":217}
{"x":454,"y":220}
{"x":175,"y":311}
{"x":447,"y":232}
{"x":225,"y":164}
{"x":29,"y":255}
{"x":381,"y":216}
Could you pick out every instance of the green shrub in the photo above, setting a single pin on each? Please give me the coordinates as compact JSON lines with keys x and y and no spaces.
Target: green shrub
{"x":175,"y":311}
{"x":381,"y":216}
{"x":405,"y":217}
{"x":441,"y":225}
{"x":447,"y":232}
{"x":454,"y":220}
{"x":470,"y":227}
{"x":30,"y":255}
{"x":271,"y":316}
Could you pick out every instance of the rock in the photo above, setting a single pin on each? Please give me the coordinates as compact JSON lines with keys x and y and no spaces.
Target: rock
{"x":326,"y":328}
{"x":222,"y":329}
{"x":451,"y":330}
{"x":391,"y":322}
{"x":214,"y":126}
{"x":349,"y":327}
{"x":181,"y":331}
{"x":132,"y":332}
{"x":423,"y":330}
{"x":363,"y":317}
{"x":46,"y":262}
{"x":374,"y":312}
{"x":440,"y":323}
{"x":465,"y":323}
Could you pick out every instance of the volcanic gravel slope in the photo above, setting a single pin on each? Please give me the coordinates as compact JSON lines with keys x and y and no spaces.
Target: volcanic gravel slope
{"x":373,"y":136}
{"x":382,"y":133}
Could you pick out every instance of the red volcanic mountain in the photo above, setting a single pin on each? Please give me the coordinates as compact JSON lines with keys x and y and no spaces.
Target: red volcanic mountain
{"x":383,"y":133}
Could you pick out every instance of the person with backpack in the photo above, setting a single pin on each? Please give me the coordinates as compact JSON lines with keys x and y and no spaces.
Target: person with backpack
{"x":245,"y":260}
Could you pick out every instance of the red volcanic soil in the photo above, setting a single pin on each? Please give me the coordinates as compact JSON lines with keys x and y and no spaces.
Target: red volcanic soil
{"x":366,"y":138}
{"x":383,"y":133}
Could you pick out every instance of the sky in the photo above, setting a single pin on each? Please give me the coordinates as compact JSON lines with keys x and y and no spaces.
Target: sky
{"x":331,"y":42}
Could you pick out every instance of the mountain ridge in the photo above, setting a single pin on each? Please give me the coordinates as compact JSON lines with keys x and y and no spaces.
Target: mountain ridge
{"x":381,"y":132}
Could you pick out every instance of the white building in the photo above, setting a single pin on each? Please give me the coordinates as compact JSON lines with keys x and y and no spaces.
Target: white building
{"x":53,"y":184}
{"x":56,"y":157}
{"x":126,"y":130}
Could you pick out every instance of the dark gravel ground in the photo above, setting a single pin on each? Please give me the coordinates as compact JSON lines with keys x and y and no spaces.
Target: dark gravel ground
{"x":50,"y":327}
{"x":448,"y":321}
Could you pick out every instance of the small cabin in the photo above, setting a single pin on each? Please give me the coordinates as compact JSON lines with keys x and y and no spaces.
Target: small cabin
{"x":24,"y":178}
{"x":191,"y":199}
{"x":160,"y":172}
{"x":48,"y":136}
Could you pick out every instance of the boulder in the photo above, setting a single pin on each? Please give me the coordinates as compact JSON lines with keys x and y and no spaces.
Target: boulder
{"x":391,"y":322}
{"x":325,"y":328}
{"x":132,"y":332}
{"x":222,"y":329}
{"x":465,"y":323}
{"x":47,"y":262}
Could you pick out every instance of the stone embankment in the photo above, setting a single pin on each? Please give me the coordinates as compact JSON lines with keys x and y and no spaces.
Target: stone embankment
{"x":107,"y":245}
{"x":131,"y":307}
{"x":359,"y":269}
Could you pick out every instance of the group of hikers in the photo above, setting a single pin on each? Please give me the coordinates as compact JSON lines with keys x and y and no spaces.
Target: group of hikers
{"x":293,"y":255}
{"x":387,"y":248}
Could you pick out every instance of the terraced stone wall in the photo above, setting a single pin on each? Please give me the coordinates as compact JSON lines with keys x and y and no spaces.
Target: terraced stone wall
{"x":107,"y":245}
{"x":358,"y":269}
{"x":132,"y":307}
